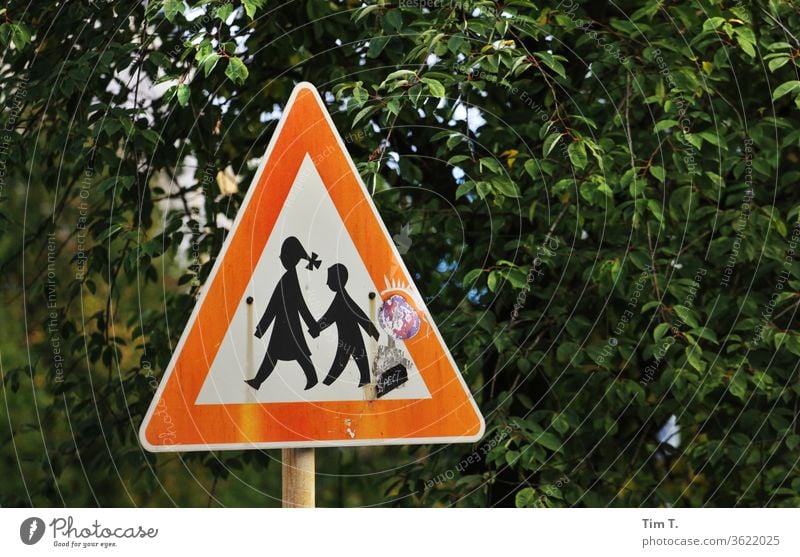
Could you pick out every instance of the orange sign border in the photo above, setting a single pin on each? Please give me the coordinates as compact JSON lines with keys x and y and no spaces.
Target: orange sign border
{"x":175,"y":423}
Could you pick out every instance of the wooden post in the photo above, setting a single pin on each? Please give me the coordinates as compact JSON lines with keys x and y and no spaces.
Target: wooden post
{"x":297,"y":474}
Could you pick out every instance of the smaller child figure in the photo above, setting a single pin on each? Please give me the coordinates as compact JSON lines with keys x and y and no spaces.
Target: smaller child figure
{"x":347,"y":316}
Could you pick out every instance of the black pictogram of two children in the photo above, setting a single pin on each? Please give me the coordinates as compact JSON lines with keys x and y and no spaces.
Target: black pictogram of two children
{"x":286,"y":307}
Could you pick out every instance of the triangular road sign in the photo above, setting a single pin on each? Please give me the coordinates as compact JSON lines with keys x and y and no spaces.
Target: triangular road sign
{"x":309,"y":331}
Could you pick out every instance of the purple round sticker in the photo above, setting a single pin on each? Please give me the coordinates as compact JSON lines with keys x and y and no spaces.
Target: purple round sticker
{"x":398,"y":318}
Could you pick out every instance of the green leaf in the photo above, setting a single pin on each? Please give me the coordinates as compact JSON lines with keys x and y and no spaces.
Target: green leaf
{"x":20,"y":35}
{"x":183,"y":94}
{"x":393,"y":106}
{"x":711,"y":138}
{"x":777,"y":63}
{"x":636,"y":185}
{"x":393,"y":19}
{"x":455,"y":159}
{"x":532,"y":168}
{"x":577,"y":154}
{"x":549,"y":441}
{"x":250,"y":7}
{"x":464,"y":189}
{"x":209,"y":62}
{"x":550,"y":142}
{"x":172,"y":8}
{"x":525,"y":498}
{"x":551,"y":62}
{"x":512,"y":457}
{"x":686,"y":315}
{"x":746,"y":40}
{"x":360,"y":94}
{"x":738,"y":385}
{"x":658,"y":173}
{"x":152,"y":136}
{"x":236,"y":70}
{"x":747,"y":46}
{"x":660,"y":330}
{"x":376,"y":46}
{"x":491,"y":281}
{"x":397,"y":74}
{"x":695,"y":358}
{"x":790,"y":341}
{"x":115,"y":183}
{"x":505,"y":187}
{"x":109,"y":232}
{"x":455,"y":43}
{"x":552,"y":491}
{"x":705,"y":333}
{"x":785,"y":89}
{"x":110,"y":126}
{"x":364,"y":113}
{"x":655,"y":209}
{"x":483,"y":189}
{"x":560,"y":423}
{"x":694,"y":139}
{"x":224,"y":11}
{"x":565,"y":351}
{"x":492,"y":165}
{"x":471,"y":277}
{"x":665,"y":125}
{"x":127,"y":125}
{"x":713,"y":23}
{"x":435,"y":87}
{"x":361,"y":13}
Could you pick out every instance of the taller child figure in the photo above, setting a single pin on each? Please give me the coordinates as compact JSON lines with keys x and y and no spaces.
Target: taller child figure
{"x":286,"y":307}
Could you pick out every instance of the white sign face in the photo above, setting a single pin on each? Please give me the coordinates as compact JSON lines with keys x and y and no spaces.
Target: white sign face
{"x":310,"y":216}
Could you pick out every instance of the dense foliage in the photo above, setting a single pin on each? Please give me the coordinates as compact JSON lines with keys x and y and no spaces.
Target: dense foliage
{"x":598,"y":201}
